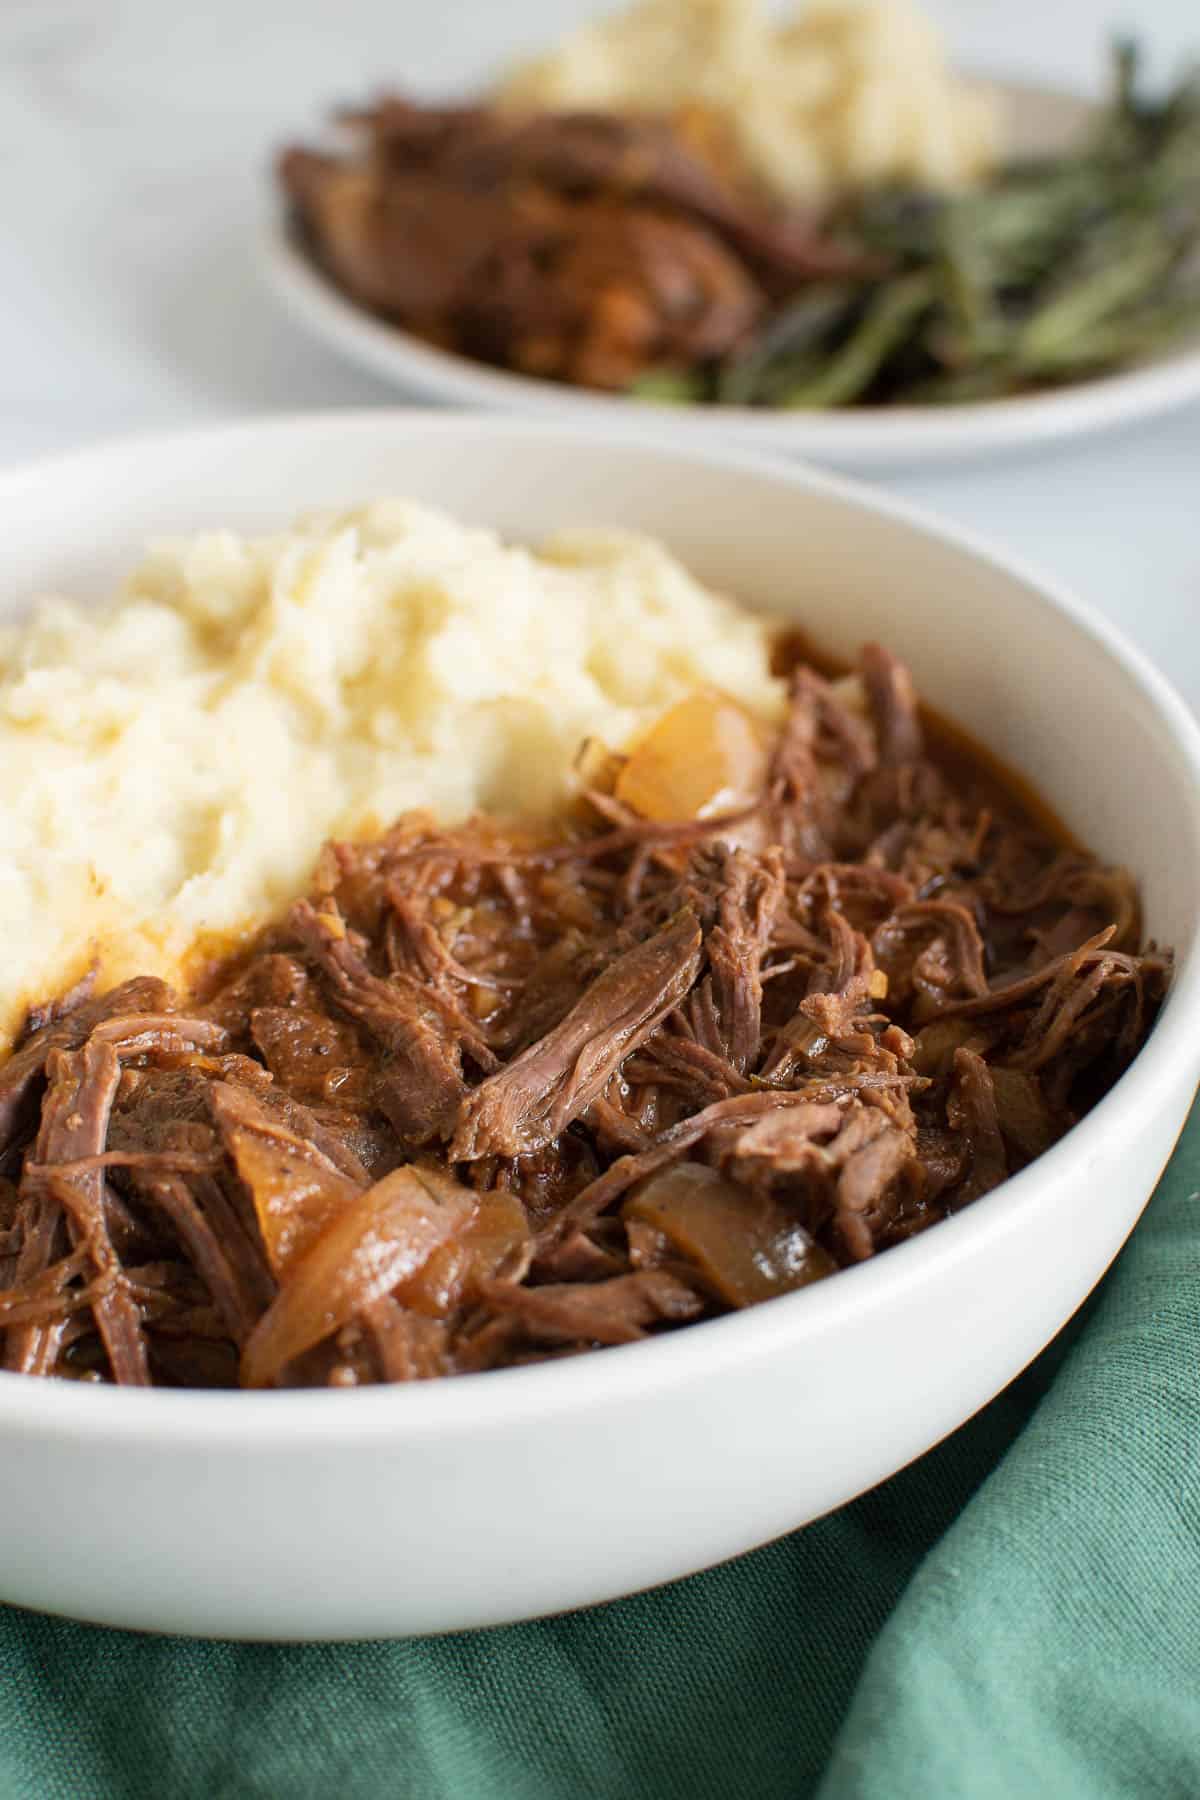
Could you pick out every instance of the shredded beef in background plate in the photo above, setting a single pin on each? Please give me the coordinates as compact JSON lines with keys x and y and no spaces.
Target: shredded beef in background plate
{"x":577,"y":245}
{"x":504,"y":1092}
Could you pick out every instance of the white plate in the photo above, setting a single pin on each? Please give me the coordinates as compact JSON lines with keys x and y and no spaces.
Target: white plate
{"x":491,"y":1497}
{"x":885,"y":437}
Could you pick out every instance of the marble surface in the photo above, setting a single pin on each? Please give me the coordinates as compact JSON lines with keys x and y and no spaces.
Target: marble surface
{"x":134,"y":142}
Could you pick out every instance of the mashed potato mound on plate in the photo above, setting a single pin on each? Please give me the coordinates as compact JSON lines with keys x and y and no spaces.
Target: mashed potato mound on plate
{"x":838,"y":94}
{"x":173,"y":760}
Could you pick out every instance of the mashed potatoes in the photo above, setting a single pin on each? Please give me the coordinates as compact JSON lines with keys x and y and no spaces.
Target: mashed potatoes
{"x":842,"y":94}
{"x":172,"y":762}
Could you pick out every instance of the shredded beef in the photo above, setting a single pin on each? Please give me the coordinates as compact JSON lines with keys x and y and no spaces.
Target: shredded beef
{"x":422,"y":1083}
{"x":617,"y":1311}
{"x":21,"y":1075}
{"x":893,"y":700}
{"x":505,"y":1092}
{"x":579,"y":246}
{"x":751,"y":893}
{"x":75,"y":1115}
{"x":534,"y":1099}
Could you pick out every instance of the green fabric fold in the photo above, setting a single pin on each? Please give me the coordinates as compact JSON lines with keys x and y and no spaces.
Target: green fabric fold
{"x":1050,"y":1643}
{"x":1016,"y":1614}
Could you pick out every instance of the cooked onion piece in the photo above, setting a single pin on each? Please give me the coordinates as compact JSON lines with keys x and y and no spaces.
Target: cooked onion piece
{"x":704,"y":756}
{"x":384,"y":1236}
{"x":745,"y":1247}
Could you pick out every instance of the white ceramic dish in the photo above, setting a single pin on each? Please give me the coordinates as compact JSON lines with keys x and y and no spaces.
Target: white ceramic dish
{"x":891,"y":437}
{"x":501,"y":1496}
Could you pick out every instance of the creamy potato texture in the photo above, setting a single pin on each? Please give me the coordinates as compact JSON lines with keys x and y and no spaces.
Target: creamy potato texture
{"x":172,"y":761}
{"x":835,"y":94}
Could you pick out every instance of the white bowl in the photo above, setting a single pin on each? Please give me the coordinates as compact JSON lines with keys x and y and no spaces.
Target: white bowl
{"x":502,"y":1496}
{"x":1039,"y":120}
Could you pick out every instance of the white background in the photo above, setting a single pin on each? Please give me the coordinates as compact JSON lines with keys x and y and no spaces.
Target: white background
{"x":135,"y":139}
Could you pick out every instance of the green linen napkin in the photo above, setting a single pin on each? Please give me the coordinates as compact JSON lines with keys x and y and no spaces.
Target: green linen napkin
{"x":1016,"y":1614}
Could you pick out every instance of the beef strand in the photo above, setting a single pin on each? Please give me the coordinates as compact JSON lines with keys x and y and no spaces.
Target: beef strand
{"x":535,"y":1098}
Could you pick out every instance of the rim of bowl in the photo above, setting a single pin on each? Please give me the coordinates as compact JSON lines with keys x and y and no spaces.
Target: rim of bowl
{"x":883,"y":437}
{"x":485,"y":1402}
